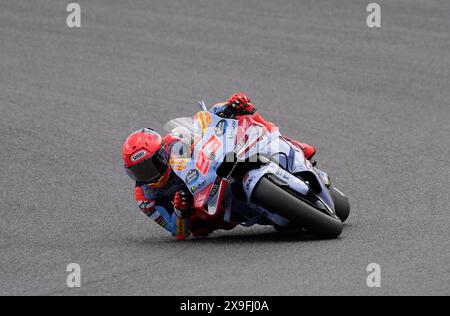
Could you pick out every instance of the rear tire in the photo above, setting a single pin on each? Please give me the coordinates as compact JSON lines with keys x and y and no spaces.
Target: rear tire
{"x":341,"y":204}
{"x":274,"y":199}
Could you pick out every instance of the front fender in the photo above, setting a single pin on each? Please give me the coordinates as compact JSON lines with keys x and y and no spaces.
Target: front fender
{"x":252,"y":178}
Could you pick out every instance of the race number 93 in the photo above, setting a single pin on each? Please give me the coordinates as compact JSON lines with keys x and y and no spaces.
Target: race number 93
{"x":207,"y":154}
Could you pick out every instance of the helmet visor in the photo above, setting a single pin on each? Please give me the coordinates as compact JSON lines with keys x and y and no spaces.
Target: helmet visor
{"x":149,"y":170}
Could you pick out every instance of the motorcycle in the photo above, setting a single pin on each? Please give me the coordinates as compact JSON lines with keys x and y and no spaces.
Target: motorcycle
{"x":244,"y":172}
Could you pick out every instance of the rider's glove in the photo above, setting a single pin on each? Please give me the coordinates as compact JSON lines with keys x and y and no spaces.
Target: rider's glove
{"x":240,"y":103}
{"x":182,"y":203}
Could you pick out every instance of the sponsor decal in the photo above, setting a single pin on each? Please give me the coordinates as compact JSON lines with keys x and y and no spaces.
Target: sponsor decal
{"x":139,"y":155}
{"x":179,"y":164}
{"x":147,"y":206}
{"x":249,"y":183}
{"x":180,"y":167}
{"x":161,"y":222}
{"x":283,"y":174}
{"x":231,"y":130}
{"x":155,"y":216}
{"x":196,"y":141}
{"x":192,"y":176}
{"x":198,"y":186}
{"x":221,"y":128}
{"x":215,"y":187}
{"x":205,"y":120}
{"x":241,"y":144}
{"x":181,"y":227}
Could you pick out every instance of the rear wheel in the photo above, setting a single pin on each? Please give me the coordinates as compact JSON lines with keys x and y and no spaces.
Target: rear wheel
{"x":274,"y":199}
{"x":341,"y":204}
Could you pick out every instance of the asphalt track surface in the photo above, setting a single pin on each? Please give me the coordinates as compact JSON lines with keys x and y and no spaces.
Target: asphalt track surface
{"x":375,"y":102}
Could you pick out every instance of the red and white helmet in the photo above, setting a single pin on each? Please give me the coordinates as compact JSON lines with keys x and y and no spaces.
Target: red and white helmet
{"x":145,"y":159}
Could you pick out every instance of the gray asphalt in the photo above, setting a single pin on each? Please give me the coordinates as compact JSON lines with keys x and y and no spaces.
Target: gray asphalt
{"x":375,"y":102}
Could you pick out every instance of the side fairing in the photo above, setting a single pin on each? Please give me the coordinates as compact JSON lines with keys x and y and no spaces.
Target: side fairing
{"x":254,"y":176}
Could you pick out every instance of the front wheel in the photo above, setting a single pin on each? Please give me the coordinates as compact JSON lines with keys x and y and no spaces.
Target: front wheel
{"x":341,"y":204}
{"x":274,"y":199}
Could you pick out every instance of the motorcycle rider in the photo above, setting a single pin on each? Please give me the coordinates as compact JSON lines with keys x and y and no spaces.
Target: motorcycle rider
{"x":163,"y":196}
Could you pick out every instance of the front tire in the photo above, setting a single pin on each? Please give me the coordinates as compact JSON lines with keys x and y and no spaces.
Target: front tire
{"x":341,"y":204}
{"x":274,"y":199}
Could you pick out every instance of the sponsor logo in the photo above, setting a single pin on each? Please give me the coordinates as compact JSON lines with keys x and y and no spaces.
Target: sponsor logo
{"x":283,"y":174}
{"x":161,"y":221}
{"x":181,"y":227}
{"x":249,"y":183}
{"x":205,"y":120}
{"x":215,"y":188}
{"x":241,"y":144}
{"x":155,"y":216}
{"x":197,"y":187}
{"x":192,"y":176}
{"x":147,"y":205}
{"x":138,"y":155}
{"x":221,"y":128}
{"x":180,"y":167}
{"x":196,"y":141}
{"x":179,"y":164}
{"x":231,"y":130}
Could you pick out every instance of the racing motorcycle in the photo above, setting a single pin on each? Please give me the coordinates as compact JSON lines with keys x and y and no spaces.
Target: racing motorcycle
{"x":241,"y":171}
